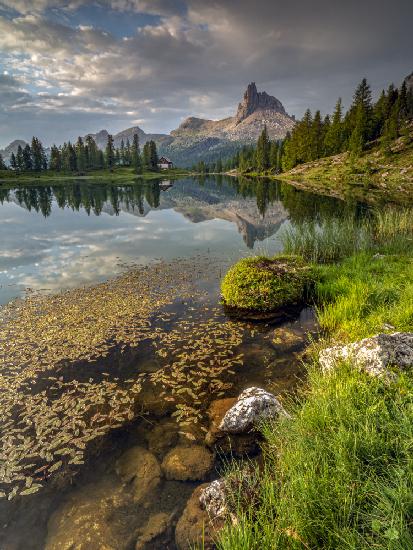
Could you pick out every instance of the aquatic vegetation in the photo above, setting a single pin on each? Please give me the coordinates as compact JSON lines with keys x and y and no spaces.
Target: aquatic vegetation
{"x":61,"y":378}
{"x":265,"y":284}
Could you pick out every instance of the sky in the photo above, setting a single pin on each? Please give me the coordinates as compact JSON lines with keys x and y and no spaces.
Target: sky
{"x":70,"y":67}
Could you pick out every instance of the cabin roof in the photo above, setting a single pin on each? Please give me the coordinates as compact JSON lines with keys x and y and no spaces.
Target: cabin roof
{"x":165,"y":159}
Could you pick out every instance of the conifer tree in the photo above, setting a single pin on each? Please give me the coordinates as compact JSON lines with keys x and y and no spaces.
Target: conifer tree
{"x":19,"y":159}
{"x":109,"y":152}
{"x":2,"y":163}
{"x":218,"y":167}
{"x":136,"y":155}
{"x":38,"y":155}
{"x":274,"y":150}
{"x":128,"y":153}
{"x":27,"y":158}
{"x":122,"y":152}
{"x":263,"y":151}
{"x":81,"y":159}
{"x":316,"y":137}
{"x":13,"y":162}
{"x":55,"y":159}
{"x":333,"y":141}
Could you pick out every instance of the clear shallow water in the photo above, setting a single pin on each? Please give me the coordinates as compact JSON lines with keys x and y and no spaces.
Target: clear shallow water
{"x":69,"y":235}
{"x":65,"y":235}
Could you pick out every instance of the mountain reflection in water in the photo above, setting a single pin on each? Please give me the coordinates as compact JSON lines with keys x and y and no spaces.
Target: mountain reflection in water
{"x":69,"y":234}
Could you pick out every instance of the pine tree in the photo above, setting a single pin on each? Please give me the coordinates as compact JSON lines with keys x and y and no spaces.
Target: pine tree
{"x":136,"y":155}
{"x":218,"y":167}
{"x":13,"y":162}
{"x":28,"y":158}
{"x":38,"y":154}
{"x":128,"y":153}
{"x":316,"y":137}
{"x":92,"y":156}
{"x":274,"y":150}
{"x":263,"y":151}
{"x":2,"y":164}
{"x":81,"y":159}
{"x":109,"y":153}
{"x":153,"y":156}
{"x":19,"y":159}
{"x":334,"y":137}
{"x":55,"y":159}
{"x":122,"y":152}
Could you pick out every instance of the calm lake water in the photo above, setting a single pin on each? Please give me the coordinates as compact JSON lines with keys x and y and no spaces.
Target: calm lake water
{"x":65,"y":235}
{"x":111,"y":378}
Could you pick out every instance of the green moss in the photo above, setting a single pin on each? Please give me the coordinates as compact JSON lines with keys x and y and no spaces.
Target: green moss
{"x":266,"y":284}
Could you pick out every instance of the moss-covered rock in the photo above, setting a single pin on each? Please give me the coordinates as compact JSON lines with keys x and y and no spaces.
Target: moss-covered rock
{"x":265,"y":285}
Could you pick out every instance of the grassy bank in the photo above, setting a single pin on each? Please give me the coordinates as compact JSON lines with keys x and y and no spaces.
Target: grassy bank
{"x":340,"y":473}
{"x":117,"y":175}
{"x":375,"y":175}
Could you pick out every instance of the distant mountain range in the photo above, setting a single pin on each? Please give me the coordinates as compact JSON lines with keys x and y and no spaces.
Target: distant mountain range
{"x":201,"y":139}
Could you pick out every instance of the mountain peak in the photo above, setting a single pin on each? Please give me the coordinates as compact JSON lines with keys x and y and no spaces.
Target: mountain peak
{"x":257,"y":101}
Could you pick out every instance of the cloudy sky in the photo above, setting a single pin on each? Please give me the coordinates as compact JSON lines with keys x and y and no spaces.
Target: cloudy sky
{"x":69,"y":67}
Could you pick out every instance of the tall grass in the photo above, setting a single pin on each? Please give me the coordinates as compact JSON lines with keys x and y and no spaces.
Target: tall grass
{"x":389,"y":230}
{"x":339,"y":475}
{"x":329,"y":241}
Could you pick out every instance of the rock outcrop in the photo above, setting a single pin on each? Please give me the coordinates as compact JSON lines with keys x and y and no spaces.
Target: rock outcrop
{"x":253,"y":406}
{"x":257,"y":101}
{"x":374,"y":355}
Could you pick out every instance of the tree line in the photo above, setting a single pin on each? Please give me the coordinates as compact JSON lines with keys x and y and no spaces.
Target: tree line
{"x":313,"y":137}
{"x":84,"y":155}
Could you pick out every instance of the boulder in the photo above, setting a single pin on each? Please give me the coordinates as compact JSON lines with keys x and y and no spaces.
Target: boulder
{"x":213,"y":499}
{"x":252,"y":407}
{"x":184,"y":463}
{"x":195,"y":527}
{"x":234,"y":444}
{"x":373,"y":355}
{"x":155,"y":534}
{"x":85,"y":521}
{"x":139,"y":468}
{"x":264,"y":288}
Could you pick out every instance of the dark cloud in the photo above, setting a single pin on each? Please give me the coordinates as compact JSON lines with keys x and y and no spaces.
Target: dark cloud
{"x":196,"y":59}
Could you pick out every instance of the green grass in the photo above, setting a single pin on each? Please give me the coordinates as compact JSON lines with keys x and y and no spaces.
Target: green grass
{"x":363,"y":294}
{"x":116,"y":175}
{"x":339,"y":473}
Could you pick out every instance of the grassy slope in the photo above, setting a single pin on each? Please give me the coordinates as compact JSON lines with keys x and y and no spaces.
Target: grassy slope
{"x":374,"y":173}
{"x":340,"y":473}
{"x":104,"y":175}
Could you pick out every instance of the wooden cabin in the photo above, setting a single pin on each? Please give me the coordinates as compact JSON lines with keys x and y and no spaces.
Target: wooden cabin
{"x":165,"y":164}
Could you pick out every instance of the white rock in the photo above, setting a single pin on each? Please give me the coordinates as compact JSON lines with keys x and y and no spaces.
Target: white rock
{"x":213,"y":499}
{"x":252,"y":406}
{"x":374,"y":355}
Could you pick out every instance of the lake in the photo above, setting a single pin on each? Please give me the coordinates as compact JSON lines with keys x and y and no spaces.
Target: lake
{"x":121,"y":349}
{"x":65,"y":235}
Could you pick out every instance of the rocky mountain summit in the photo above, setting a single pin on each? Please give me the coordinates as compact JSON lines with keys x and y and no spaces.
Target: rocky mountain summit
{"x":257,"y":101}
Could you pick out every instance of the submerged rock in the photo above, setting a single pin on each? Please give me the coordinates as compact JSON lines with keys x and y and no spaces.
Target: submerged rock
{"x":185,"y":463}
{"x":252,"y":406}
{"x":140,"y":468}
{"x":85,"y":521}
{"x":162,"y":437}
{"x":195,"y":527}
{"x":155,"y":534}
{"x":373,"y":355}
